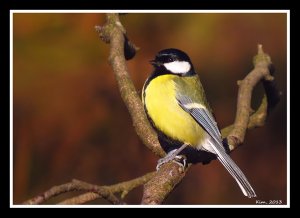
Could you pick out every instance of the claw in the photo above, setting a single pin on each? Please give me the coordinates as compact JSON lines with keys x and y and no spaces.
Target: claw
{"x":172,"y":156}
{"x":180,"y":160}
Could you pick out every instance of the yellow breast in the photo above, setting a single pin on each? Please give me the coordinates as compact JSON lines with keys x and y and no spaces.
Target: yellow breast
{"x":168,"y":116}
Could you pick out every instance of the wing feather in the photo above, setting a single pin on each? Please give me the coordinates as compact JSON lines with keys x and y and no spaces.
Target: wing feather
{"x":214,"y":143}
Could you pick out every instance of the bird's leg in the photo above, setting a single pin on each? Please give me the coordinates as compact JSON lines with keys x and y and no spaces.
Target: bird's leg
{"x":173,"y":156}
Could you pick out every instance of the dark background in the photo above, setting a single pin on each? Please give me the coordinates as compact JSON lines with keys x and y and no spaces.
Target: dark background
{"x":70,"y":122}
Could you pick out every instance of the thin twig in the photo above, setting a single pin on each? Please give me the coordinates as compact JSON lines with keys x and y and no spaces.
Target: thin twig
{"x":81,"y":199}
{"x":52,"y":192}
{"x":94,"y":191}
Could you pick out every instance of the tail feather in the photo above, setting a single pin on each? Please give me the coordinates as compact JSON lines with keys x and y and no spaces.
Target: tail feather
{"x":213,"y":142}
{"x":234,"y":170}
{"x":238,"y":175}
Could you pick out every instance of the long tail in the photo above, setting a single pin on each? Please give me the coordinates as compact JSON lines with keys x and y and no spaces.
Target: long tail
{"x":238,"y":175}
{"x":214,"y":142}
{"x":235,"y":171}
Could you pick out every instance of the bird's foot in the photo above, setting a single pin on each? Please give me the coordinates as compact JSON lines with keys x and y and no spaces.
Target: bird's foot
{"x":172,"y":156}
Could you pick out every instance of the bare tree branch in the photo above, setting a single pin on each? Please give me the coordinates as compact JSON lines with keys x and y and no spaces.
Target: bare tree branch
{"x":113,"y":32}
{"x":80,"y":199}
{"x":262,"y":63}
{"x":52,"y":192}
{"x":75,"y":185}
{"x":163,"y":183}
{"x":94,"y":191}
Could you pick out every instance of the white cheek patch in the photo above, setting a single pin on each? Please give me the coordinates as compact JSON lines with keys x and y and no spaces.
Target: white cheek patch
{"x":178,"y":67}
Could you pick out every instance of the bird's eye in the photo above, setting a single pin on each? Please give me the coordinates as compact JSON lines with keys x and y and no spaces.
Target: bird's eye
{"x":170,"y":59}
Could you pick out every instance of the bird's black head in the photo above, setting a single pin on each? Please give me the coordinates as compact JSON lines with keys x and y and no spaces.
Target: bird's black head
{"x":173,"y":61}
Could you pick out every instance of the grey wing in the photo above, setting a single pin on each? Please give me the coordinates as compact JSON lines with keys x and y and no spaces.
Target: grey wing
{"x":202,"y":117}
{"x":214,"y":144}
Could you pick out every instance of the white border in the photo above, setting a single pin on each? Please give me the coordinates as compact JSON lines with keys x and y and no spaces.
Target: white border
{"x":11,"y":108}
{"x":288,"y":107}
{"x":287,"y":12}
{"x":152,"y":11}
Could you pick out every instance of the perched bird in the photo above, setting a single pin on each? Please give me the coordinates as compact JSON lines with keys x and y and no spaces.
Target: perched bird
{"x":176,"y":106}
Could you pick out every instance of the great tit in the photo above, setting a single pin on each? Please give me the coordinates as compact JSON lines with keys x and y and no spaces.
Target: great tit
{"x":176,"y":106}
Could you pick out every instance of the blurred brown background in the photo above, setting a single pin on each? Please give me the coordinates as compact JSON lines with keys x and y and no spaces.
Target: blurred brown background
{"x":70,"y":122}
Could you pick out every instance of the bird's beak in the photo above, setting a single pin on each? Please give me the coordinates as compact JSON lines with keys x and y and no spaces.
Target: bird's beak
{"x":154,"y":63}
